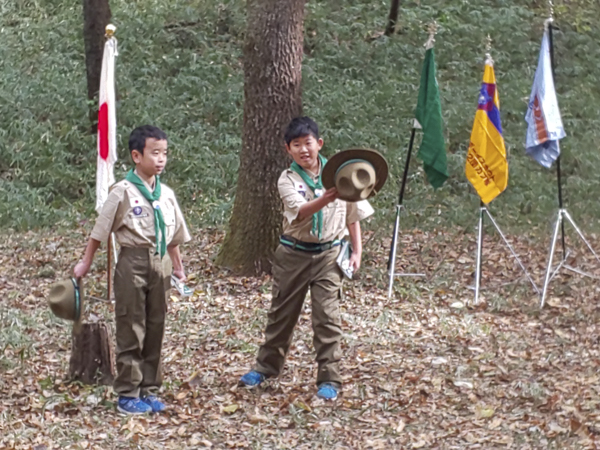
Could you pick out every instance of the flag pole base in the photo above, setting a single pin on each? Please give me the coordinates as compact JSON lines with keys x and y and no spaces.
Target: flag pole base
{"x":560,"y":218}
{"x":483,"y":210}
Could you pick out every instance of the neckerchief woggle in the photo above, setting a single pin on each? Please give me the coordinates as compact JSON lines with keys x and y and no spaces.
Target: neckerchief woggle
{"x":152,"y":197}
{"x":317,"y":218}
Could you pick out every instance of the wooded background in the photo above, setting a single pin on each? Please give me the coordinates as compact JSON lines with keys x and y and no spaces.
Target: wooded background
{"x":180,"y":66}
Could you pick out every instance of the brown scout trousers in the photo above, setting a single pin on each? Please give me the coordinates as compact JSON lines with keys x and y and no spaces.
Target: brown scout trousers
{"x":142,"y":284}
{"x":294,"y":271}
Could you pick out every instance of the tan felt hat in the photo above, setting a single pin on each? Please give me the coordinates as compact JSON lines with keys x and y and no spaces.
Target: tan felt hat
{"x":357,"y":174}
{"x":66,"y":301}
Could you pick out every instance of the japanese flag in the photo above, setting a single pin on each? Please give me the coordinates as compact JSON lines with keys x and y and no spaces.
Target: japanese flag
{"x":107,"y":124}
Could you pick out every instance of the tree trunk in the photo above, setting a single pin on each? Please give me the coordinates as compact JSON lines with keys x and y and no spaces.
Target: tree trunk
{"x":92,"y":359}
{"x":96,"y":15}
{"x":272,"y":97}
{"x":393,"y":18}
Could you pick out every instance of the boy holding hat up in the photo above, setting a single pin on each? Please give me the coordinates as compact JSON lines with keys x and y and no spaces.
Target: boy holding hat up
{"x":145,"y":217}
{"x":315,"y":220}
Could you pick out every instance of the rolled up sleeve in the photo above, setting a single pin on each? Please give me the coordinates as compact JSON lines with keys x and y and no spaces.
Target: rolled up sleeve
{"x":106,"y":218}
{"x":182,"y":234}
{"x":358,"y":211}
{"x":292,"y":200}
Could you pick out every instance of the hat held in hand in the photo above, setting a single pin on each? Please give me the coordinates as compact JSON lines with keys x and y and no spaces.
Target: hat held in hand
{"x":357,"y":174}
{"x":66,"y":300}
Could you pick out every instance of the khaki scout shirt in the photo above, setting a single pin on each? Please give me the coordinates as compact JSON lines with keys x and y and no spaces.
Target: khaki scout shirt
{"x":131,"y":217}
{"x":337,"y":215}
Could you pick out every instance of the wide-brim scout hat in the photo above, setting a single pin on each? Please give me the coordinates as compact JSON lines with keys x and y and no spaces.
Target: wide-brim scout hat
{"x":357,"y":174}
{"x":66,"y":301}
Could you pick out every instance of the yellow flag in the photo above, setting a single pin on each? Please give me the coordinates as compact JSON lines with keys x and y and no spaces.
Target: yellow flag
{"x":486,"y":167}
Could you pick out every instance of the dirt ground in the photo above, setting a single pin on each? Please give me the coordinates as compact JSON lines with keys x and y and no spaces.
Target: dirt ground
{"x":424,"y":369}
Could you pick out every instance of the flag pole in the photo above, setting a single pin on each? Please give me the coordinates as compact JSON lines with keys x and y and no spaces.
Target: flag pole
{"x":111,"y":246}
{"x":391,"y":266}
{"x":479,"y":251}
{"x":562,"y":212}
{"x":558,"y":172}
{"x":399,"y":206}
{"x":108,"y":267}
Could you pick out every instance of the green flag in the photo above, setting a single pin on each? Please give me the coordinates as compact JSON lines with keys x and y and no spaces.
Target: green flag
{"x":429,"y":116}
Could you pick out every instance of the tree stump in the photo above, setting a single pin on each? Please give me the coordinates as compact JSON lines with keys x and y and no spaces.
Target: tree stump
{"x":92,"y":358}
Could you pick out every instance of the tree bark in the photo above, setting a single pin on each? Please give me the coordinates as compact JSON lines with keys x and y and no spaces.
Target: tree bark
{"x":96,"y":15}
{"x":392,"y":18}
{"x":92,"y":358}
{"x":272,"y":97}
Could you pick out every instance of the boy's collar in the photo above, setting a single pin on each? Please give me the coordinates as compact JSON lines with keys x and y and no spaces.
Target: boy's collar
{"x":312,"y":174}
{"x":148,"y":186}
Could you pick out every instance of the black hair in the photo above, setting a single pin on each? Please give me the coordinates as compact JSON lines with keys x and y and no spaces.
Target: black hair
{"x":137,"y":138}
{"x":299,"y":127}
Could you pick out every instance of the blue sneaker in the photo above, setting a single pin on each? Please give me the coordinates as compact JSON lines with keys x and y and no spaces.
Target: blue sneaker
{"x":133,"y":405}
{"x":154,"y":403}
{"x":252,"y":378}
{"x":327,"y":391}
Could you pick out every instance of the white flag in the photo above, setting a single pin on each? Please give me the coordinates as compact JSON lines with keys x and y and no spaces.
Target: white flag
{"x":107,"y":124}
{"x":544,"y":125}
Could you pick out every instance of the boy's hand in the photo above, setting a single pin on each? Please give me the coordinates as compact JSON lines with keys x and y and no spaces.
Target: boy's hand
{"x":331,"y":195}
{"x":355,"y":261}
{"x":82,"y":268}
{"x":179,"y":274}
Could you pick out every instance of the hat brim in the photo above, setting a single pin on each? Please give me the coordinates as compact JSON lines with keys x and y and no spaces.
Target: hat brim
{"x":78,"y":322}
{"x":71,"y":292}
{"x":375,"y":158}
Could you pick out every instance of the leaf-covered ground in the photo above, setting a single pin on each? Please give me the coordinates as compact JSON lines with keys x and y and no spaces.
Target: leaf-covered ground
{"x":422,"y":370}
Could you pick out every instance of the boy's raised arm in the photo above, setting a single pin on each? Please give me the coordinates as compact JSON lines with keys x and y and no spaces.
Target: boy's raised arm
{"x":317,"y":204}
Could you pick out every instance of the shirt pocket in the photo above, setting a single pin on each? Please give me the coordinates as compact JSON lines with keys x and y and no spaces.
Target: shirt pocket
{"x":140,"y":218}
{"x":337,"y":210}
{"x":168,"y":212}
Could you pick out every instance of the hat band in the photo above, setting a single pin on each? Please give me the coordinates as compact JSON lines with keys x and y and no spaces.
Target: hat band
{"x":353,"y":161}
{"x":77,"y":299}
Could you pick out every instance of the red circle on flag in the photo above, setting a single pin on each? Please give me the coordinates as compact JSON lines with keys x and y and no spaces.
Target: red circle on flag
{"x":103,"y":131}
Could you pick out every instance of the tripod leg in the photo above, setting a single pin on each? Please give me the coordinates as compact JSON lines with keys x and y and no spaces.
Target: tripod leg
{"x":551,"y":257}
{"x":513,"y":252}
{"x":392,"y":261}
{"x":568,"y":216}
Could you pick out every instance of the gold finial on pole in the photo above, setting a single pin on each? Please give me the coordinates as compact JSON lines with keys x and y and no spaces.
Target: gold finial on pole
{"x":488,"y":49}
{"x":550,"y":18}
{"x":432,"y":29}
{"x":109,"y":31}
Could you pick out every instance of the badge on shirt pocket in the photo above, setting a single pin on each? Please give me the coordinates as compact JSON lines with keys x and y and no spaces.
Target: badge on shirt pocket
{"x":136,"y":207}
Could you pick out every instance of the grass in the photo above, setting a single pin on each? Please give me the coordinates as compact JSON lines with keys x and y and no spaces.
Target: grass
{"x":180,"y":67}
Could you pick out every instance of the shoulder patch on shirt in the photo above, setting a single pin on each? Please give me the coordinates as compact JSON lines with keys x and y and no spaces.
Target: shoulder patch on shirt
{"x":135,"y":202}
{"x":300,"y":187}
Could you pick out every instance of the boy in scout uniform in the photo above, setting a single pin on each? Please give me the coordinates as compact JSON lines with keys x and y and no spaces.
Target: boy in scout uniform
{"x":148,"y":224}
{"x":315,"y":221}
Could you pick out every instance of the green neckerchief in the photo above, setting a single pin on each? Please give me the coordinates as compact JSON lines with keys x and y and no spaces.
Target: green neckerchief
{"x":152,"y":197}
{"x":317,"y":218}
